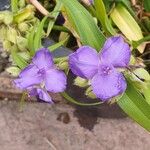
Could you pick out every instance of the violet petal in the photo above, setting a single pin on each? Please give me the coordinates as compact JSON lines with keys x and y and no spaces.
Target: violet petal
{"x":84,"y":62}
{"x":41,"y":93}
{"x":43,"y":59}
{"x":28,"y":77}
{"x":108,"y":83}
{"x":55,"y":81}
{"x":116,"y":52}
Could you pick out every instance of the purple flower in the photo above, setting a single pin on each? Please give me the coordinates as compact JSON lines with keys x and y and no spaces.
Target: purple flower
{"x":41,"y":76}
{"x":101,"y":68}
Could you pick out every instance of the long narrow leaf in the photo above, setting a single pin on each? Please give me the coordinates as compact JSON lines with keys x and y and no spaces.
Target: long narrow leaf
{"x":84,"y":24}
{"x":57,"y":45}
{"x":31,"y":41}
{"x":135,"y":106}
{"x":147,"y":5}
{"x":126,"y":23}
{"x":102,"y":16}
{"x":38,"y":35}
{"x":54,"y":14}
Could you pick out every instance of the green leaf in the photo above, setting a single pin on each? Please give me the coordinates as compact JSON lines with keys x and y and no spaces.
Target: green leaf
{"x":147,"y":5}
{"x":39,"y":34}
{"x":57,"y":45}
{"x":146,"y":93}
{"x":14,"y":5}
{"x":20,"y":62}
{"x":133,"y":103}
{"x":24,"y":14}
{"x":31,"y":41}
{"x":127,"y":4}
{"x":84,"y":24}
{"x":54,"y":14}
{"x":126,"y":23}
{"x":102,"y":17}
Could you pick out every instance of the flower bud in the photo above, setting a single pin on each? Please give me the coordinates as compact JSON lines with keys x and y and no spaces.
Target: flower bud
{"x":1,"y":17}
{"x":11,"y":35}
{"x":23,"y":27}
{"x":21,"y":3}
{"x":8,"y":19}
{"x":22,"y":43}
{"x":63,"y":65}
{"x":80,"y":82}
{"x":6,"y":45}
{"x":132,"y":60}
{"x":89,"y":93}
{"x":3,"y":32}
{"x":24,"y":14}
{"x":14,"y":71}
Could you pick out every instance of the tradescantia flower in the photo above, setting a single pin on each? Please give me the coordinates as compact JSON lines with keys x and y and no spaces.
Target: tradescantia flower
{"x":101,"y":68}
{"x":41,"y":76}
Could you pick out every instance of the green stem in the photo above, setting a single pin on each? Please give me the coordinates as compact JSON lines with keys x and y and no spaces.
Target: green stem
{"x":22,"y":101}
{"x":57,"y":45}
{"x":61,"y":28}
{"x":70,"y":99}
{"x":60,"y":59}
{"x":137,"y":43}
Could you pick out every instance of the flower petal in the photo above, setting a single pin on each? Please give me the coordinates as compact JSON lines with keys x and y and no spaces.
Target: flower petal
{"x":41,"y":93}
{"x":84,"y":62}
{"x":55,"y":81}
{"x":28,"y":77}
{"x":43,"y":59}
{"x":116,"y":52}
{"x":106,"y":86}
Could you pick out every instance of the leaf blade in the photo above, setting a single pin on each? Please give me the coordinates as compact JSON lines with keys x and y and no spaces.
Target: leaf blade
{"x":135,"y":106}
{"x":83,"y":21}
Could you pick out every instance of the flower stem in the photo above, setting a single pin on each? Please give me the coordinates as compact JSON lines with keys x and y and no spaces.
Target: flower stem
{"x":145,"y":39}
{"x":61,"y":28}
{"x":70,"y":99}
{"x":60,"y":59}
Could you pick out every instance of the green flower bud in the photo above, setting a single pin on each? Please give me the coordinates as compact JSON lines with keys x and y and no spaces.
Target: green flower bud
{"x":11,"y":35}
{"x":22,"y":43}
{"x":14,"y":71}
{"x":132,"y":60}
{"x":63,"y":65}
{"x":7,"y":45}
{"x":80,"y":82}
{"x":8,"y":19}
{"x":1,"y":17}
{"x":89,"y":93}
{"x":3,"y":32}
{"x":21,"y":3}
{"x":24,"y":14}
{"x":23,"y":27}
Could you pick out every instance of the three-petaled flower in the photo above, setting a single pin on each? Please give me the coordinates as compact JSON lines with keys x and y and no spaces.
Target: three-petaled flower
{"x":41,"y":76}
{"x":101,"y":68}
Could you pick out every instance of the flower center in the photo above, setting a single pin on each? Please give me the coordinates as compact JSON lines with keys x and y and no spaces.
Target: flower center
{"x":105,"y":70}
{"x":41,"y":71}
